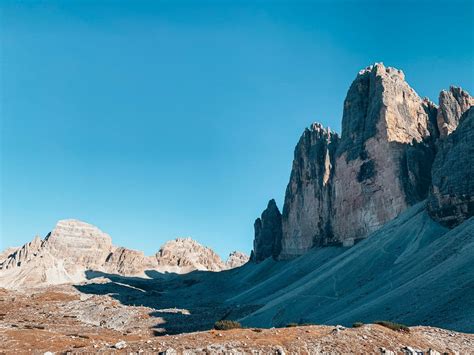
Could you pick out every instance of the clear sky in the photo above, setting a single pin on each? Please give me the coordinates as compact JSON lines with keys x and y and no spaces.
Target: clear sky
{"x":160,"y":119}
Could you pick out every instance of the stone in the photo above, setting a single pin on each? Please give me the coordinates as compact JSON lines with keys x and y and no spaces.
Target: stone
{"x":236,"y":259}
{"x":451,"y":199}
{"x":308,"y":197}
{"x":125,"y":261}
{"x":268,"y":232}
{"x":189,"y":255}
{"x":452,"y":104}
{"x":385,"y":153}
{"x":120,"y":345}
{"x":342,"y":189}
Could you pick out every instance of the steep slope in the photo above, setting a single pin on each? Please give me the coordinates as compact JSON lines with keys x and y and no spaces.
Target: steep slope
{"x":412,"y":270}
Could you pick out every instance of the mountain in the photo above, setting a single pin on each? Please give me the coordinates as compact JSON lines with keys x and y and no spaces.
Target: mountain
{"x":393,"y":144}
{"x":73,"y":247}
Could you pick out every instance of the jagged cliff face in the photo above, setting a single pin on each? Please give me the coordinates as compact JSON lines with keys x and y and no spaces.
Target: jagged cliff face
{"x":452,"y":104}
{"x":308,"y":199}
{"x":268,"y":234}
{"x":451,"y":200}
{"x":342,"y":189}
{"x":384,"y":158}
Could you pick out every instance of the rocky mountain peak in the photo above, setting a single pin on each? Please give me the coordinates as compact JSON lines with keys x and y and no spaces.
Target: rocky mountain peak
{"x":341,"y":189}
{"x":79,"y":243}
{"x":452,"y":104}
{"x":236,"y":259}
{"x":189,"y":254}
{"x":267,"y":241}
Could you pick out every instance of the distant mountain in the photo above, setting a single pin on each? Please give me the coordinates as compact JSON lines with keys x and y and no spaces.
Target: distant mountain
{"x":73,"y":247}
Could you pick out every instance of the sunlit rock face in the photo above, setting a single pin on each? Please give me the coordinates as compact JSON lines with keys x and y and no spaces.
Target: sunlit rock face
{"x":452,"y":104}
{"x":268,"y":234}
{"x":451,"y":198}
{"x":79,"y":243}
{"x":308,"y":199}
{"x":187,"y":254}
{"x":385,"y":154}
{"x":236,"y":259}
{"x":341,"y":189}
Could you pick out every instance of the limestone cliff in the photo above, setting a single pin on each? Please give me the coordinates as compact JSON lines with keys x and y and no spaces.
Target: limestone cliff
{"x":384,"y":159}
{"x":451,"y":198}
{"x":308,"y":199}
{"x":452,"y":104}
{"x":267,"y":240}
{"x":343,"y":189}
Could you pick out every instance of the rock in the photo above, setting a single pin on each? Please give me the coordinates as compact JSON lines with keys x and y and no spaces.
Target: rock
{"x":308,"y":198}
{"x":411,"y":351}
{"x":451,"y":199}
{"x":342,"y":189}
{"x":169,"y":351}
{"x":27,"y":252}
{"x":188,"y":254}
{"x":120,"y":345}
{"x":129,"y":262}
{"x":236,"y":259}
{"x":384,"y":351}
{"x":452,"y":104}
{"x":79,"y":243}
{"x":75,"y":249}
{"x":267,"y":241}
{"x":385,"y":153}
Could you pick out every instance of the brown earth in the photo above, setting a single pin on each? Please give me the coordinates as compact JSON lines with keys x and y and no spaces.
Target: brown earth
{"x":62,"y":320}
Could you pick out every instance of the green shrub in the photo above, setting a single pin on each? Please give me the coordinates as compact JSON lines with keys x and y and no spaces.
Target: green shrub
{"x":226,"y":325}
{"x":357,"y":325}
{"x":394,"y":326}
{"x":289,"y":325}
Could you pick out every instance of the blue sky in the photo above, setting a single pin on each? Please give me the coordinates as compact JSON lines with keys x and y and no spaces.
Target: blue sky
{"x":160,"y":119}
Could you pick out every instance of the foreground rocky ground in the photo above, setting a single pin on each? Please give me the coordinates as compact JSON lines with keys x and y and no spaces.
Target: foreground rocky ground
{"x":60,"y":319}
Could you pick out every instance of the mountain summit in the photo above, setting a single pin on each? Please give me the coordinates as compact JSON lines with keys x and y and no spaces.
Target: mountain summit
{"x":393,"y":145}
{"x":74,"y":247}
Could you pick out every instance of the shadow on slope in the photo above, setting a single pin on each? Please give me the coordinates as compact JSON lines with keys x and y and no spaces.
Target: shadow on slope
{"x":412,"y":271}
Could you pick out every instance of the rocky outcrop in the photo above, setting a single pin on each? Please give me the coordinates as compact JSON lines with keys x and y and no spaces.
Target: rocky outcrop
{"x":15,"y":258}
{"x":129,"y":262}
{"x":79,"y":243}
{"x":188,"y":254}
{"x":451,"y":198}
{"x":308,"y":199}
{"x":385,"y":155}
{"x":452,"y":104}
{"x":343,"y":189}
{"x":236,"y":259}
{"x":268,"y":234}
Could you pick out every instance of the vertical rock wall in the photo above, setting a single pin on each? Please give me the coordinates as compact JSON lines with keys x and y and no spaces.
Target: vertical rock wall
{"x":451,"y":199}
{"x":307,"y":209}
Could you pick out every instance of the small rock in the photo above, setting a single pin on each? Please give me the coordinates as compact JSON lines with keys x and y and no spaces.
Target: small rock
{"x":120,"y":345}
{"x":169,"y":351}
